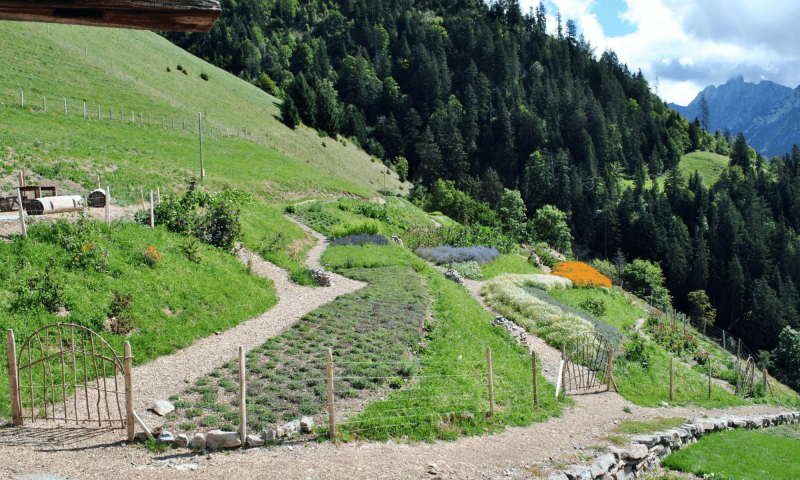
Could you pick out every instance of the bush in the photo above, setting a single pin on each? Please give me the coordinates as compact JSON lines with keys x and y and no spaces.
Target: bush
{"x":122,"y":322}
{"x":361,"y":240}
{"x":549,"y":224}
{"x":459,"y":236}
{"x":469,"y":270}
{"x":646,"y":280}
{"x":595,"y":307}
{"x":447,"y":254}
{"x":367,"y":227}
{"x":204,"y":76}
{"x":290,"y":209}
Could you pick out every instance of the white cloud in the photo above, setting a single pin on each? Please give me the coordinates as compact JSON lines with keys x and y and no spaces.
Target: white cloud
{"x":690,"y":44}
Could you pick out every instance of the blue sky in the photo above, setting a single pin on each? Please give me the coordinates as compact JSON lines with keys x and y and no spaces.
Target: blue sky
{"x":690,"y":44}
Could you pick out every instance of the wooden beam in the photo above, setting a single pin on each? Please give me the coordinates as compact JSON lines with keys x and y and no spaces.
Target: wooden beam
{"x":176,"y":15}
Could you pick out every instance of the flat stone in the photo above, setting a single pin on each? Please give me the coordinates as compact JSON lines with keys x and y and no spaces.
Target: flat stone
{"x":166,"y":437}
{"x":268,"y":435}
{"x":198,"y":442}
{"x":181,"y":441}
{"x":217,"y":439}
{"x":637,"y":452}
{"x":163,"y":407}
{"x":578,"y":472}
{"x":254,"y":441}
{"x":603,"y":464}
{"x":306,"y":424}
{"x":625,"y":473}
{"x":648,"y":440}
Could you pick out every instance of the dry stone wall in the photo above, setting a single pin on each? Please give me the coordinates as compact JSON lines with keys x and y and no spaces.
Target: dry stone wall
{"x":646,"y":451}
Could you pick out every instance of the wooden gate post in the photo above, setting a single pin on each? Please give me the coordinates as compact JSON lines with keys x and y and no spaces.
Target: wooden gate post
{"x":491,"y":380}
{"x":242,"y":397}
{"x":331,"y":418}
{"x":608,"y":372}
{"x":671,"y":377}
{"x":22,"y":226}
{"x":535,"y":381}
{"x":127,"y":372}
{"x":13,"y":379}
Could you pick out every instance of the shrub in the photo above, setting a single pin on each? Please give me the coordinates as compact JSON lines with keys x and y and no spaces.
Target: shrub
{"x":290,"y":209}
{"x":447,"y":254}
{"x":150,"y":255}
{"x":361,"y":240}
{"x":645,"y":280}
{"x":192,"y":250}
{"x":185,"y":72}
{"x":367,"y":227}
{"x":595,"y":307}
{"x":469,"y":270}
{"x":168,"y":70}
{"x":122,"y":322}
{"x":549,"y":224}
{"x":581,"y":274}
{"x":204,"y":76}
{"x":459,"y":236}
{"x":672,"y":336}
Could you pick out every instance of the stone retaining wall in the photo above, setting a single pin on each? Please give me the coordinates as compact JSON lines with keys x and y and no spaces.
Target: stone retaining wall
{"x":646,"y":451}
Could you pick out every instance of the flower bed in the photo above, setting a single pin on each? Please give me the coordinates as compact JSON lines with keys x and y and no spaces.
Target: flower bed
{"x":581,"y":274}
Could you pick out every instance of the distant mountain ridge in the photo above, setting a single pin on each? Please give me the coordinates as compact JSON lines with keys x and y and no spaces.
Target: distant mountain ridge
{"x":767,"y":113}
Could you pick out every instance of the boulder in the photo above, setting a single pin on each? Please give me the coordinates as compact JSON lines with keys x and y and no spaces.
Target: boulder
{"x":268,"y":435}
{"x":218,"y":439}
{"x":625,"y":473}
{"x":198,"y":442}
{"x":637,"y":452}
{"x":306,"y":424}
{"x":603,"y":464}
{"x":163,"y":407}
{"x":454,"y":276}
{"x":181,"y":441}
{"x":647,"y":440}
{"x":397,"y":240}
{"x":254,"y":441}
{"x":578,"y":472}
{"x":166,"y":437}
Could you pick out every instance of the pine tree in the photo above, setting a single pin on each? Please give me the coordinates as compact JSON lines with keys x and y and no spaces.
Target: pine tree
{"x":304,"y":99}
{"x":740,"y":156}
{"x":289,"y":113}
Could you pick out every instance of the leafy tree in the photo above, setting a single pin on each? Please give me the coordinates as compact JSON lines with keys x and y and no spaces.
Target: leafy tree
{"x":700,"y":308}
{"x":401,"y":165}
{"x":646,"y":280}
{"x":787,"y":358}
{"x":265,"y":83}
{"x":512,"y":214}
{"x":549,"y":224}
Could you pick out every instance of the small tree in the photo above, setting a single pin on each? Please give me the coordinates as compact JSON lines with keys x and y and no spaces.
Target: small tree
{"x":620,"y":263}
{"x":700,"y":308}
{"x":289,"y":113}
{"x":512,"y":214}
{"x":787,"y":358}
{"x":704,"y":115}
{"x":646,"y":280}
{"x":401,"y":165}
{"x":549,"y":224}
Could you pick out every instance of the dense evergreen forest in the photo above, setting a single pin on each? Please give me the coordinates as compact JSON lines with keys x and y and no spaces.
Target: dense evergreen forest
{"x":469,"y":99}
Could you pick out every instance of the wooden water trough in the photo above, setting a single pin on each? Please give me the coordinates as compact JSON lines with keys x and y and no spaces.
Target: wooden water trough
{"x":176,"y":15}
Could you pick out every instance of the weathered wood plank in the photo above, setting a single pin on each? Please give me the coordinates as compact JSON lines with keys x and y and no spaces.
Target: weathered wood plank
{"x":177,"y":15}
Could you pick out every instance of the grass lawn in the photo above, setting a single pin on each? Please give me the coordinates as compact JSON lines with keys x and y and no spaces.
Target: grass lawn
{"x":508,"y":263}
{"x":709,"y":164}
{"x":620,"y":312}
{"x":173,"y":303}
{"x":742,"y":455}
{"x":130,"y":155}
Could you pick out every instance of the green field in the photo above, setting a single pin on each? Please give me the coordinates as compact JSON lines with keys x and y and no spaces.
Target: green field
{"x":742,"y":454}
{"x":130,"y":156}
{"x":709,"y":164}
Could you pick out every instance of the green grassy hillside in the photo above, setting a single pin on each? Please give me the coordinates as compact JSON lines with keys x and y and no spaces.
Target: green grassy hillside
{"x":115,"y":69}
{"x":709,"y":164}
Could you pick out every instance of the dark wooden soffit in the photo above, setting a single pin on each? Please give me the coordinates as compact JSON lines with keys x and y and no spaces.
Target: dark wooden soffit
{"x":176,"y":15}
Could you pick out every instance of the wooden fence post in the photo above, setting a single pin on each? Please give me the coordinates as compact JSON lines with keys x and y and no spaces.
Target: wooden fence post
{"x":128,"y":371}
{"x":65,"y":105}
{"x":84,"y":110}
{"x":331,"y":418}
{"x":141,"y":192}
{"x":671,"y":377}
{"x":98,"y":181}
{"x":22,"y":97}
{"x":21,"y":179}
{"x":242,"y":399}
{"x":608,"y":369}
{"x":44,"y":99}
{"x":739,"y":366}
{"x":491,"y":380}
{"x":158,"y":195}
{"x":709,"y":377}
{"x":13,"y":379}
{"x":535,"y":381}
{"x":200,"y":131}
{"x":560,"y":378}
{"x":108,"y":205}
{"x":22,"y":226}
{"x":152,"y":211}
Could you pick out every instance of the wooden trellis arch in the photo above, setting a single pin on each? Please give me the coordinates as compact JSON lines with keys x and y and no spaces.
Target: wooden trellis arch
{"x":586,"y":364}
{"x":69,"y":373}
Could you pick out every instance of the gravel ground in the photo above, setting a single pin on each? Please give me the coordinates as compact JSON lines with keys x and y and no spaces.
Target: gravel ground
{"x":528,"y":452}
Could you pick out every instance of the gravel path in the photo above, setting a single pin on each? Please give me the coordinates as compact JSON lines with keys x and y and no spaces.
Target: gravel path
{"x":168,"y":375}
{"x":527,"y":452}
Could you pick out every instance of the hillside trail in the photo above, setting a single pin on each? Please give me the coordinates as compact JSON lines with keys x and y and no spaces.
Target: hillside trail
{"x":518,"y":452}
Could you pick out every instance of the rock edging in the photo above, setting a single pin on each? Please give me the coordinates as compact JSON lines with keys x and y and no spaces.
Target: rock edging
{"x":646,"y":451}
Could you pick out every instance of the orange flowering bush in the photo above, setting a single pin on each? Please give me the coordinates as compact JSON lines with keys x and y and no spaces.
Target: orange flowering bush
{"x":581,"y":274}
{"x":151,"y":256}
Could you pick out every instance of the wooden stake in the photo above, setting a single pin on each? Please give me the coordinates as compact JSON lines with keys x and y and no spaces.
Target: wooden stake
{"x":138,"y":420}
{"x":141,"y":192}
{"x":242,"y":399}
{"x":608,"y":369}
{"x":200,"y":130}
{"x":13,"y":378}
{"x":84,"y":110}
{"x":65,"y":105}
{"x":21,"y":179}
{"x":44,"y":99}
{"x":22,"y":97}
{"x":766,"y":383}
{"x":98,"y":181}
{"x":127,"y":372}
{"x":152,"y":211}
{"x":158,"y":195}
{"x":491,"y":380}
{"x":535,"y":381}
{"x":671,"y":377}
{"x":709,"y":377}
{"x":22,"y":226}
{"x":331,"y":418}
{"x":108,"y":205}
